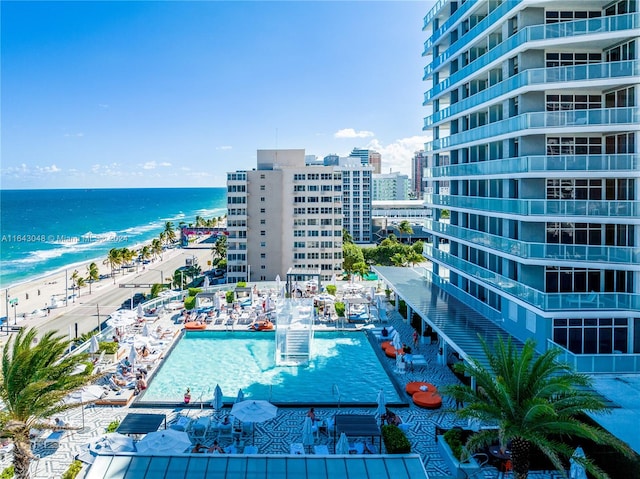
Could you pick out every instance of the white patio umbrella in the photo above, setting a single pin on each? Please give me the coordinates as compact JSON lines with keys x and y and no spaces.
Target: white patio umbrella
{"x":240,"y":396}
{"x":84,"y":395}
{"x":576,"y":470}
{"x":94,"y":346}
{"x":342,"y":446}
{"x":164,"y":442}
{"x":307,"y":432}
{"x":254,"y":411}
{"x":111,"y":443}
{"x":140,"y":311}
{"x":217,"y":399}
{"x":121,"y":318}
{"x":396,"y":342}
{"x":382,"y":403}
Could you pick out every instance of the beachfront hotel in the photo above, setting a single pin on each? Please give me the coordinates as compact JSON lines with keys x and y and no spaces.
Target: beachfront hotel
{"x":283,"y":214}
{"x":534,"y":167}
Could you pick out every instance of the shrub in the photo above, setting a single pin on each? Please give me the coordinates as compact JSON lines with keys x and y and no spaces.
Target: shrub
{"x":230,"y":295}
{"x":454,"y":439}
{"x":395,"y":440}
{"x":194,"y":291}
{"x":84,"y":337}
{"x":189,"y":302}
{"x":8,"y":472}
{"x":339,"y":307}
{"x":72,"y":472}
{"x":402,"y":308}
{"x":113,"y":425}
{"x":241,"y":284}
{"x":109,"y":347}
{"x":331,"y":289}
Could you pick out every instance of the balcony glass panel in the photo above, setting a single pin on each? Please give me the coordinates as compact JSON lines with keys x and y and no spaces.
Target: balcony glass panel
{"x":534,"y":207}
{"x":543,"y":120}
{"x":543,"y":301}
{"x":542,"y":163}
{"x":539,"y":76}
{"x":522,"y":249}
{"x":538,"y":33}
{"x":598,"y":363}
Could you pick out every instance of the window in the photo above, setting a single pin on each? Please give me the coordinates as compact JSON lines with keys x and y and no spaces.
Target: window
{"x":573,"y":102}
{"x":262,"y":176}
{"x":262,"y":187}
{"x":263,"y":255}
{"x":554,"y":16}
{"x":592,"y":335}
{"x":262,"y":266}
{"x":262,"y":222}
{"x":564,"y":59}
{"x":262,"y":199}
{"x":263,"y":210}
{"x":263,"y":233}
{"x":567,"y":145}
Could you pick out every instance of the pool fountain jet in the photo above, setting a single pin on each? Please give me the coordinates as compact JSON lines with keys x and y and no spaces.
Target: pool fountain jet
{"x":294,"y":331}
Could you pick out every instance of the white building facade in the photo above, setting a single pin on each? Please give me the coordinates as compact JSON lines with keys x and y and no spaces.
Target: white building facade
{"x":533,"y":107}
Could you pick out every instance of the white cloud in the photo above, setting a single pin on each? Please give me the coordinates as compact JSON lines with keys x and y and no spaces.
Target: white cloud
{"x":103,"y":106}
{"x":351,"y":133}
{"x":149,"y":165}
{"x":74,"y":135}
{"x":113,"y":169}
{"x":224,"y":147}
{"x":49,"y":169}
{"x":397,"y":155}
{"x":164,"y":163}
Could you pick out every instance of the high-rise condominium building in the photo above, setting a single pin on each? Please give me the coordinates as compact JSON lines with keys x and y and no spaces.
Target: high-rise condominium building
{"x":391,"y":186}
{"x":356,"y":198}
{"x":368,"y":158}
{"x":283,"y":214}
{"x":535,"y":119}
{"x":418,"y":164}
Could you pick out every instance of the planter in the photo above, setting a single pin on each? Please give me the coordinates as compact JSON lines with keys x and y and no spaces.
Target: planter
{"x":456,"y":468}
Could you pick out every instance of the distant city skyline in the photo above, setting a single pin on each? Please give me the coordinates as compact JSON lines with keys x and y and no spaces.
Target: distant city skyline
{"x":171,"y":94}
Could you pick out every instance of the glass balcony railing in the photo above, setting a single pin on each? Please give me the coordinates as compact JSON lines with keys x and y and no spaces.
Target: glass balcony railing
{"x":447,"y":24}
{"x":539,"y":76}
{"x":565,"y":30}
{"x":435,"y":10}
{"x":492,"y":19}
{"x":544,"y":121}
{"x":597,"y":363}
{"x":539,"y":299}
{"x":536,"y":251}
{"x":526,"y":165}
{"x":538,"y":207}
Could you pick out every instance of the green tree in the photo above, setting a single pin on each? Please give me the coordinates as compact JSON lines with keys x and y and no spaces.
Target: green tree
{"x":114,"y":259}
{"x":93,"y":274}
{"x":156,"y":247}
{"x":80,"y":283}
{"x":35,"y":377}
{"x":146,"y":253}
{"x":399,"y":259}
{"x":413,"y":258}
{"x":170,"y":233}
{"x":156,"y":289}
{"x":535,"y":401}
{"x":346,"y":237}
{"x":352,"y":254}
{"x":405,"y":228}
{"x":219,"y":249}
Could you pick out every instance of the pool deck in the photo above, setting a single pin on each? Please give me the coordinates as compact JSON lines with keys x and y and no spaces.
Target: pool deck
{"x":277,"y":435}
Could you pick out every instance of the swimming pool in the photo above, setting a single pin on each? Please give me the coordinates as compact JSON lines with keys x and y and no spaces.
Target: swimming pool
{"x":342,"y":363}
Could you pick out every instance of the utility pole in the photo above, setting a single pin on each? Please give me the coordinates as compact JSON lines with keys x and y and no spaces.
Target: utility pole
{"x":98,"y":310}
{"x":66,"y":290}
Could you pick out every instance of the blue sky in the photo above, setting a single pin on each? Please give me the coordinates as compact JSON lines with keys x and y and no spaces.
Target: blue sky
{"x":169,"y":94}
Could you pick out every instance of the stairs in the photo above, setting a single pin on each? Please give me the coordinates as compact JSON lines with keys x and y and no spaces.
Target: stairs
{"x":296,"y":348}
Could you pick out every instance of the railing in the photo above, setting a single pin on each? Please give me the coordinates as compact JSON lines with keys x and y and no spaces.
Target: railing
{"x":431,"y":14}
{"x":541,"y":163}
{"x":538,"y":76}
{"x":537,"y":33}
{"x":544,"y":301}
{"x":448,"y":23}
{"x":598,"y":363}
{"x":543,"y":120}
{"x":529,"y":250}
{"x":538,"y":207}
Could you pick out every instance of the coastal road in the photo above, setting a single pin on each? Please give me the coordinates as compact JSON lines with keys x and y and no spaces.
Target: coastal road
{"x":109,"y":297}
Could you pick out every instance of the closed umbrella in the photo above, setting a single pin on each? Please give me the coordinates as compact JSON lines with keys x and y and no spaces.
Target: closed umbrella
{"x":205,"y":283}
{"x":577,"y":471}
{"x":133,"y":354}
{"x":94,"y":346}
{"x":342,"y":447}
{"x":307,"y":432}
{"x":396,"y":342}
{"x":240,"y":396}
{"x":382,"y":403}
{"x":216,"y":301}
{"x":140,"y":311}
{"x":84,"y":395}
{"x":217,"y":399}
{"x":145,"y":330}
{"x":278,"y":282}
{"x":164,"y":442}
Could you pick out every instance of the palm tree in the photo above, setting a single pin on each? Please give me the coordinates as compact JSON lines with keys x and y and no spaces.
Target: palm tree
{"x":127,"y":256}
{"x":92,"y":274}
{"x":535,"y":400}
{"x":80,"y":283}
{"x":219,"y":249}
{"x":114,"y":258}
{"x":35,"y":377}
{"x":156,"y":247}
{"x":405,"y":227}
{"x":75,"y":277}
{"x":169,"y":232}
{"x":145,"y":253}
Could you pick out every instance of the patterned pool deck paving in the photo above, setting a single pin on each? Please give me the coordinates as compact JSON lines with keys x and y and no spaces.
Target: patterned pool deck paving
{"x":275,"y":436}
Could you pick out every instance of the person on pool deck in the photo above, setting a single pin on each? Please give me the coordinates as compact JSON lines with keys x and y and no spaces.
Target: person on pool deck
{"x":384,"y":332}
{"x":187,"y":396}
{"x":215,"y":448}
{"x":312,"y":415}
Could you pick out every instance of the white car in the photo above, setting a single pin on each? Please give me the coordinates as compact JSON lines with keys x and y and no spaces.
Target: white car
{"x":36,"y":313}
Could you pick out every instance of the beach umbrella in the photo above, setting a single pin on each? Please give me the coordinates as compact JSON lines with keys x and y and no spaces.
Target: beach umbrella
{"x":121,"y":318}
{"x":94,"y":346}
{"x":217,"y":398}
{"x":254,"y":411}
{"x":577,"y":471}
{"x":307,"y":432}
{"x":240,"y":396}
{"x":111,"y":443}
{"x":164,"y":442}
{"x":84,"y":395}
{"x":342,"y":447}
{"x":140,"y":311}
{"x":382,"y":403}
{"x":145,"y":330}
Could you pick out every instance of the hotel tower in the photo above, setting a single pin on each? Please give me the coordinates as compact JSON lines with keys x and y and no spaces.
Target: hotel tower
{"x":533,"y":108}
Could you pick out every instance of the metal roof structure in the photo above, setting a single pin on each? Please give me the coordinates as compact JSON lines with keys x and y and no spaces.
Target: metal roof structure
{"x":236,"y":466}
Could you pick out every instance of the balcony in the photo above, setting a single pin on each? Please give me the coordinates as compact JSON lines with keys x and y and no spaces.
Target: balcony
{"x":538,"y":123}
{"x":535,"y":251}
{"x":543,"y":77}
{"x":540,"y":34}
{"x":538,"y":299}
{"x":580,"y":209}
{"x":493,"y":19}
{"x":448,"y":23}
{"x":435,"y":10}
{"x":598,"y":363}
{"x":536,"y":166}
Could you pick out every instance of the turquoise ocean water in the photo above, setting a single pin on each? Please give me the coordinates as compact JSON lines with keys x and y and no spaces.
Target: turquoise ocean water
{"x":43,"y":231}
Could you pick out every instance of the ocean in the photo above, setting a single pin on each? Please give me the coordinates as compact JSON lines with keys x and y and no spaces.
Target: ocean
{"x":44,"y":231}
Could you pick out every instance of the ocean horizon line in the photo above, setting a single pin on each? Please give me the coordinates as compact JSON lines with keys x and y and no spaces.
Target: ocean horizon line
{"x":118,"y":188}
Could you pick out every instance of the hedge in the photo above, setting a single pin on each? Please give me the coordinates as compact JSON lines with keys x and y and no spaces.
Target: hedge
{"x":395,"y":440}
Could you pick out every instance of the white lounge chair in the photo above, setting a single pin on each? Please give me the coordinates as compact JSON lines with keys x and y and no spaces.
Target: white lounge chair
{"x":53,"y":439}
{"x":321,"y":450}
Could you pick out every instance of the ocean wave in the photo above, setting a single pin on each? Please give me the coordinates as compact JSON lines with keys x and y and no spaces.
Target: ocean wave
{"x":137,"y":230}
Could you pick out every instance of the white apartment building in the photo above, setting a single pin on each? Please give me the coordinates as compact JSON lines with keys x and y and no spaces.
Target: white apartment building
{"x":391,"y":186}
{"x":283,"y":214}
{"x":356,"y":198}
{"x":533,"y":107}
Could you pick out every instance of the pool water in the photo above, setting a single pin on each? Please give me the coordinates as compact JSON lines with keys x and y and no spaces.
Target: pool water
{"x":341,"y":362}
